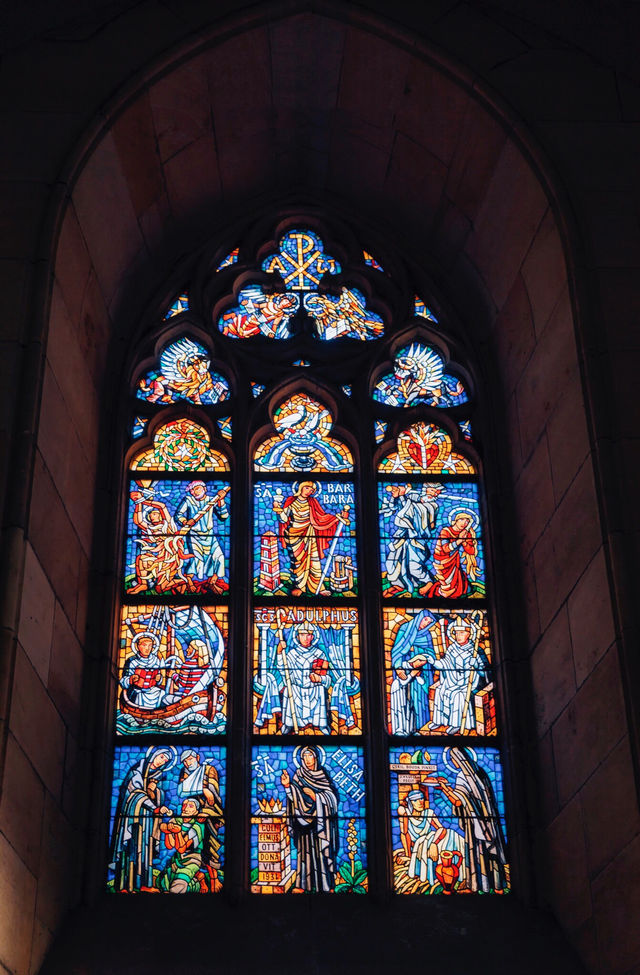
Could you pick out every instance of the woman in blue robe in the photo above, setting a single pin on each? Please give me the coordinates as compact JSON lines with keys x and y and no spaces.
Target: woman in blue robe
{"x":136,"y":821}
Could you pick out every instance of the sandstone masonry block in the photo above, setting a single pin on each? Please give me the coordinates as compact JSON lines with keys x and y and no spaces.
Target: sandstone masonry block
{"x":17,"y":896}
{"x":37,"y":725}
{"x":590,"y":616}
{"x":36,"y":614}
{"x":588,"y":729}
{"x":552,"y":672}
{"x":610,"y":808}
{"x":21,"y":805}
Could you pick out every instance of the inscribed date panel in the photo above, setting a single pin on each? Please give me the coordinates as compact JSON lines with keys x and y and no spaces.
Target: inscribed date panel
{"x":306,"y":671}
{"x":438,"y":672}
{"x":430,"y":540}
{"x":167,"y":826}
{"x":172,"y":670}
{"x":304,"y":540}
{"x":177,"y":537}
{"x":307,"y":819}
{"x":447,"y":821}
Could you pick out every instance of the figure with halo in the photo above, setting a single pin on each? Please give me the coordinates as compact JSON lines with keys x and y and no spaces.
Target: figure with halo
{"x":463,"y":671}
{"x":455,"y":557}
{"x":309,"y":534}
{"x":312,"y":810}
{"x":476,"y":807}
{"x":136,"y":824}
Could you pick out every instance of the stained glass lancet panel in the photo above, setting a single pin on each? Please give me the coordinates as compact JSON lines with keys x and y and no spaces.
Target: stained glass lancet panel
{"x":168,"y":793}
{"x":308,"y":801}
{"x":448,"y":823}
{"x":448,"y":829}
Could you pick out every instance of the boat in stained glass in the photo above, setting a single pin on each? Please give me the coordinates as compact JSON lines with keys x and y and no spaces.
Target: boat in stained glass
{"x":419,"y":376}
{"x":448,"y":830}
{"x":305,"y":541}
{"x":438,"y":672}
{"x":430,"y":540}
{"x":177,"y":537}
{"x":424,"y":448}
{"x":303,"y":443}
{"x":306,"y":671}
{"x":308,"y":829}
{"x":172,"y":670}
{"x":167,"y":819}
{"x":183,"y":374}
{"x":180,"y":445}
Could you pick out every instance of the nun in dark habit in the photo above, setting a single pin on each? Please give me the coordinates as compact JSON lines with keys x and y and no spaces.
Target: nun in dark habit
{"x":475,"y":804}
{"x":312,"y":808}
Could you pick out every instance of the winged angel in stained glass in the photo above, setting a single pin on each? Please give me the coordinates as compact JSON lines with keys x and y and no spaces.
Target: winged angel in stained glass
{"x":183,"y":375}
{"x":419,"y":376}
{"x":346,"y":316}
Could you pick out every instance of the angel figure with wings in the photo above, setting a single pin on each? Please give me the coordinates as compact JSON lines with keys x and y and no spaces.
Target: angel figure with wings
{"x":184,"y":374}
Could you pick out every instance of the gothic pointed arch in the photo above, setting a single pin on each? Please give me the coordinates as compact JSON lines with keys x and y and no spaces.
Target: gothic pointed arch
{"x":266,"y":395}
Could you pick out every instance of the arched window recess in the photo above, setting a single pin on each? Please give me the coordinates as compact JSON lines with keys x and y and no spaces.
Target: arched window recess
{"x":305,"y":585}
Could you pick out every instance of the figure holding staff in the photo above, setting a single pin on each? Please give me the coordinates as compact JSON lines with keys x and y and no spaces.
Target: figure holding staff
{"x":307,"y":532}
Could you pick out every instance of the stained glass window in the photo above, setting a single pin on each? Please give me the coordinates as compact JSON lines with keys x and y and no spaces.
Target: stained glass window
{"x":350,"y":569}
{"x":371,"y":261}
{"x":138,"y":426}
{"x":300,"y":269}
{"x":179,"y":304}
{"x":419,"y":376}
{"x":230,"y":259}
{"x":183,"y":373}
{"x":302,"y":443}
{"x":421,"y":310}
{"x":380,"y":430}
